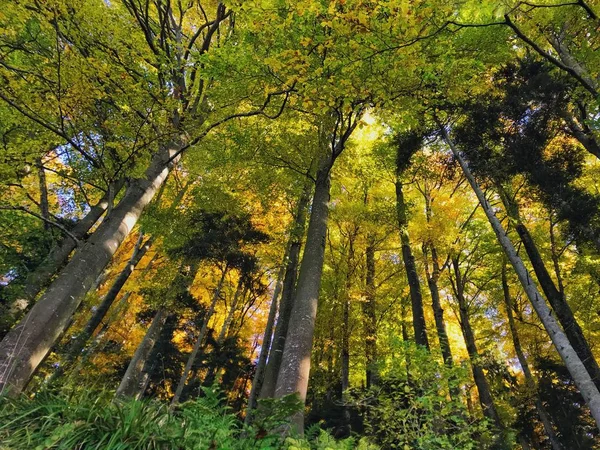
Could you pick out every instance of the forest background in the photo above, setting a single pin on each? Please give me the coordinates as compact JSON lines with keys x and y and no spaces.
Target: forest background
{"x":233,"y":224}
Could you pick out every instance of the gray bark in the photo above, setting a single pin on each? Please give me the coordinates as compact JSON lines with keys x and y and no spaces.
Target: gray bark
{"x":133,"y":379}
{"x":576,"y":368}
{"x":295,"y":364}
{"x":555,"y":296}
{"x":27,"y":344}
{"x":529,"y":380}
{"x":287,"y":295}
{"x":265,"y":348}
{"x":58,"y":256}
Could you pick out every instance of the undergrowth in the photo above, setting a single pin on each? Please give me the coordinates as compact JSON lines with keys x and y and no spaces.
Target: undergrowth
{"x":87,"y":421}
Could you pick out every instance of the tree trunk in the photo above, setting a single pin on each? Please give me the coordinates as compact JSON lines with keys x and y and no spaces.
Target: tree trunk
{"x":345,"y":357}
{"x":192,"y":357}
{"x":133,"y":378}
{"x":44,"y":205}
{"x":370,"y":315}
{"x":27,"y":344}
{"x":529,"y":380}
{"x":265,"y":348}
{"x":287,"y":295}
{"x":438,"y":311}
{"x":229,"y":318}
{"x":416,"y":297}
{"x":557,"y":300}
{"x":81,"y":340}
{"x":56,"y":259}
{"x":483,"y":388}
{"x":576,"y":368}
{"x":583,"y":134}
{"x":295,"y":364}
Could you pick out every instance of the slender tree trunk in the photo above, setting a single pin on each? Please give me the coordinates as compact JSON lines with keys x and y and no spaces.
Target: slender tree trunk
{"x":432,"y":282}
{"x":529,"y":380}
{"x":90,"y":350}
{"x":54,"y":261}
{"x":576,"y":368}
{"x":287,"y":295}
{"x":414,"y":284}
{"x":265,"y":348}
{"x":44,"y":204}
{"x":370,"y":315}
{"x":100,"y":312}
{"x":555,"y":296}
{"x":438,"y":311}
{"x":192,"y":357}
{"x":133,"y":378}
{"x":24,"y":348}
{"x":295,"y":364}
{"x":229,"y":318}
{"x":483,"y":388}
{"x":345,"y":357}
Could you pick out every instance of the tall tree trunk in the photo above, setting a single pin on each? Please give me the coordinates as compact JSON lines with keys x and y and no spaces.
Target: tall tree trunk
{"x":24,"y":348}
{"x":44,"y":204}
{"x":229,"y":318}
{"x":54,"y":261}
{"x":529,"y":380}
{"x":295,"y":364}
{"x":416,"y":297}
{"x":345,"y":356}
{"x":133,"y":378}
{"x":438,"y":312}
{"x":192,"y":356}
{"x":576,"y":368}
{"x":287,"y":294}
{"x":432,"y":282}
{"x":555,"y":296}
{"x":265,"y":348}
{"x":370,"y":315}
{"x":483,"y":388}
{"x":100,"y":312}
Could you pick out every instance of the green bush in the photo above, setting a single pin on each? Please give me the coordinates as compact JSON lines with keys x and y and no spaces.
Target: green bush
{"x":412,"y":408}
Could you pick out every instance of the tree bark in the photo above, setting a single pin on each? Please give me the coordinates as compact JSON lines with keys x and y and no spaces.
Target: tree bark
{"x":265,"y":348}
{"x":133,"y":378}
{"x":287,"y":295}
{"x":27,"y":344}
{"x":37,"y":279}
{"x":370,"y":319}
{"x":576,"y":368}
{"x":438,"y":311}
{"x":81,"y":340}
{"x":229,"y":318}
{"x":192,"y":356}
{"x":56,"y":259}
{"x":583,"y":134}
{"x":557,"y":300}
{"x":44,"y":204}
{"x":483,"y":388}
{"x":295,"y":364}
{"x":416,"y":297}
{"x":529,"y":380}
